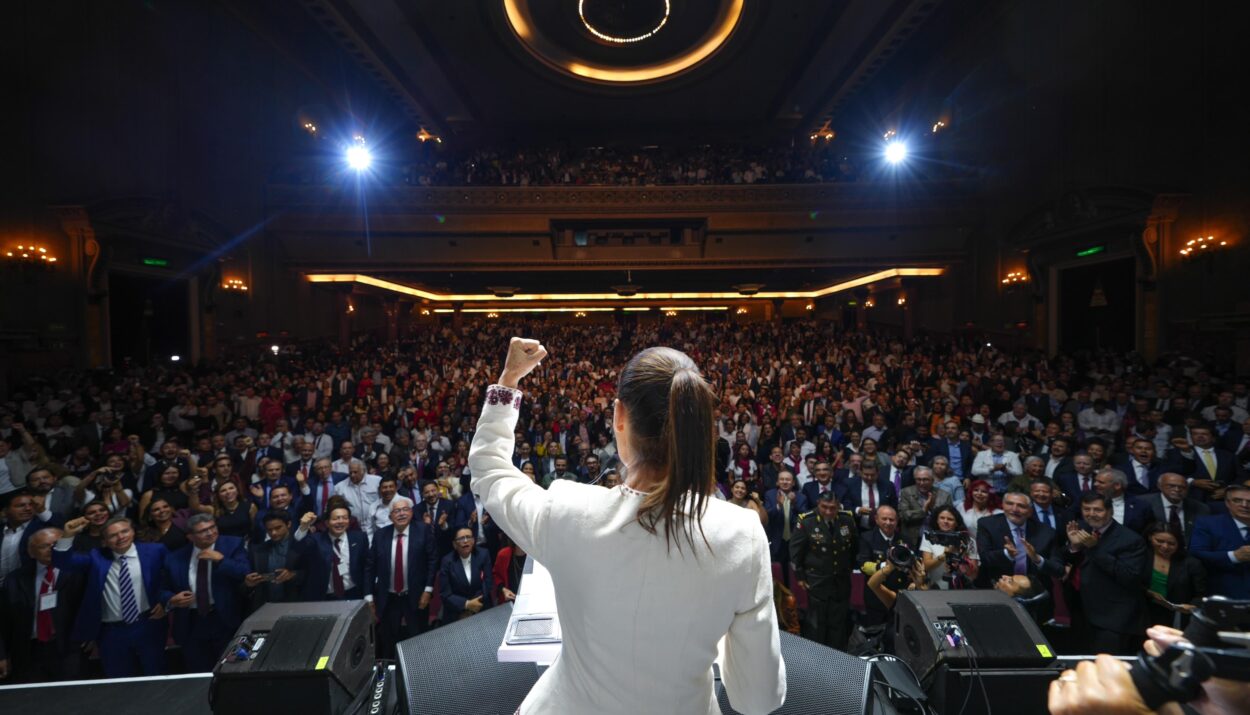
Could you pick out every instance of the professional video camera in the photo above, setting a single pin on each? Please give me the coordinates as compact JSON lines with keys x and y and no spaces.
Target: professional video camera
{"x":957,"y":545}
{"x":1178,"y":673}
{"x":902,"y":556}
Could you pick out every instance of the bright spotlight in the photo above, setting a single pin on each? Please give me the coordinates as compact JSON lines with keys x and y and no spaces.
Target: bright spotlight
{"x":358,"y":157}
{"x":895,"y":152}
{"x":275,"y":349}
{"x":174,"y":358}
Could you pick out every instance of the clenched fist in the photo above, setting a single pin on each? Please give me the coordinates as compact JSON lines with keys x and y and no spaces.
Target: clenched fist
{"x":523,"y":356}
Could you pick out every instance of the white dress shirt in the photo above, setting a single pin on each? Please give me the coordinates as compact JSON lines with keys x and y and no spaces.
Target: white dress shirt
{"x":193,"y":571}
{"x":1167,"y":511}
{"x":10,"y":555}
{"x":1117,"y":509}
{"x":362,"y":498}
{"x":618,"y":662}
{"x":407,"y":576}
{"x":323,"y":444}
{"x":345,"y":563}
{"x":1140,"y":472}
{"x":1243,"y":528}
{"x":41,"y":572}
{"x":466,"y":563}
{"x":343,"y":467}
{"x":112,"y":612}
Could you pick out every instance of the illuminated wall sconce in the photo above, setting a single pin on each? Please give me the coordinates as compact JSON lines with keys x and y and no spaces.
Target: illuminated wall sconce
{"x":1015,"y":277}
{"x":310,"y":128}
{"x":425,"y":311}
{"x":670,"y":313}
{"x":235,"y":284}
{"x":351,"y":307}
{"x":889,"y":135}
{"x":810,"y":306}
{"x":870,"y":303}
{"x":740,"y":311}
{"x":938,"y":126}
{"x":425,"y":136}
{"x":579,"y":314}
{"x":29,"y":255}
{"x":1202,"y":246}
{"x":492,"y":315}
{"x":902,"y":300}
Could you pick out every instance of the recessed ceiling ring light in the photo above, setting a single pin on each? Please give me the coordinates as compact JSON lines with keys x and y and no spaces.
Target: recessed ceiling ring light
{"x":581,"y":13}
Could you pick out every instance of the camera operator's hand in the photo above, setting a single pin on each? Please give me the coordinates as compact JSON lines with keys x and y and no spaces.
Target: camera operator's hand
{"x":1219,"y":695}
{"x":1099,"y":687}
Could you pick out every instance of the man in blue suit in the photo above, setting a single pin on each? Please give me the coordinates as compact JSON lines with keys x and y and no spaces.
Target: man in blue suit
{"x":270,"y":478}
{"x":780,"y":503}
{"x":1222,"y":543}
{"x":466,"y":581}
{"x":335,"y":559}
{"x":317,"y":489}
{"x":956,"y":450}
{"x":122,"y":610}
{"x":401,"y":567}
{"x":822,"y":481}
{"x":867,"y":493}
{"x":1141,"y":467}
{"x":203,"y":579}
{"x":438,"y":516}
{"x":1126,"y":508}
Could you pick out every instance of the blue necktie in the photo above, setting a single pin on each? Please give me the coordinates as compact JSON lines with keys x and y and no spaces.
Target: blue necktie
{"x":1022,"y":557}
{"x":130,"y":605}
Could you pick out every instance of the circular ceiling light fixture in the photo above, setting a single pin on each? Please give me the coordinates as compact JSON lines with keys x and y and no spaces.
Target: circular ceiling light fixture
{"x":607,"y":36}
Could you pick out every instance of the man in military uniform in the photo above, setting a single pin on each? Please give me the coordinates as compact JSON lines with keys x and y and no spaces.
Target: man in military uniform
{"x":822,"y":549}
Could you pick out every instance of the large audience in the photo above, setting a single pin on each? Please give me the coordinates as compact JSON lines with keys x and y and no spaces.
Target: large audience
{"x":1098,"y":490}
{"x":600,"y":166}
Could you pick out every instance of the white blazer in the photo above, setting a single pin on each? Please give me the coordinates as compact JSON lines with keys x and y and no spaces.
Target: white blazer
{"x":642,"y":623}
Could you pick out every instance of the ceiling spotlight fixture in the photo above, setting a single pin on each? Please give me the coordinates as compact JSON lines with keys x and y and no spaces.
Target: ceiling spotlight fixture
{"x":748,"y":288}
{"x":274,"y":349}
{"x":503,"y":291}
{"x":616,"y":39}
{"x":895,"y":151}
{"x":902,"y":300}
{"x":358,"y":155}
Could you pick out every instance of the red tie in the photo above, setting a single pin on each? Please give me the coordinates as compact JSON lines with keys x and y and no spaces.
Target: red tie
{"x":43,"y":623}
{"x":399,"y":562}
{"x":337,"y":577}
{"x":1085,"y":484}
{"x":325,"y":490}
{"x":872,"y":497}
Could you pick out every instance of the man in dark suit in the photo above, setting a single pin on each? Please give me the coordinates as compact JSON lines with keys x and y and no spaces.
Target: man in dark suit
{"x":270,"y":477}
{"x":1110,"y":570}
{"x":466,"y":581}
{"x":899,"y":475}
{"x":169,"y":455}
{"x":402,"y":565}
{"x":1045,"y":511}
{"x":319,"y":487}
{"x":342,"y":389}
{"x":956,"y":450}
{"x":783,"y":504}
{"x":1141,"y":467}
{"x":471,"y":514}
{"x":203,"y":580}
{"x":302,"y":466}
{"x":866,"y":494}
{"x":438,"y":515}
{"x":20,"y":523}
{"x":335,"y":559}
{"x":1173,"y":507}
{"x":309,"y":398}
{"x":57,"y":499}
{"x":874,"y":547}
{"x":123,"y":607}
{"x":1125,"y":508}
{"x":1079,"y":481}
{"x":1015,"y":543}
{"x":94,"y":432}
{"x":280,"y":500}
{"x":822,"y":482}
{"x":1210,"y":468}
{"x":277,"y":574}
{"x":1059,"y":458}
{"x":42,"y":600}
{"x":1222,"y":543}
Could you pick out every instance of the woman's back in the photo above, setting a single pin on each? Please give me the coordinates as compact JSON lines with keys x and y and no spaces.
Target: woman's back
{"x":641,"y":620}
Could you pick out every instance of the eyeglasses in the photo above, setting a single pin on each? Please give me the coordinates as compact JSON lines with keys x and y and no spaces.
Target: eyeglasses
{"x":463,"y":539}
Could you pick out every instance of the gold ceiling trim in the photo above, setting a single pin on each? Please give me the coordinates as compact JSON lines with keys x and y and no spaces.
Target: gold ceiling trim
{"x":365,"y":280}
{"x":518,"y":15}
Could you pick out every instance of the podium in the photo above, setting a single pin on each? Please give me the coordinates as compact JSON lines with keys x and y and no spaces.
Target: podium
{"x":533,"y":632}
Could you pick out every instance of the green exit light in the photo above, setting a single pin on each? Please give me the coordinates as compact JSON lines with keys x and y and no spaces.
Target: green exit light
{"x":155,"y":262}
{"x":1091,"y":251}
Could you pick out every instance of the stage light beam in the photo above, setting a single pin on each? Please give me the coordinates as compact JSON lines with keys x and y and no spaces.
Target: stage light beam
{"x":359,"y":157}
{"x":895,"y":152}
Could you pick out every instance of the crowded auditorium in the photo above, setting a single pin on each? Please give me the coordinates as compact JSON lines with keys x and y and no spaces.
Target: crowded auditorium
{"x":625,"y":356}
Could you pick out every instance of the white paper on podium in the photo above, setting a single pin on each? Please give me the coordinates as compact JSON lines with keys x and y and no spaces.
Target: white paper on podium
{"x":536,"y":600}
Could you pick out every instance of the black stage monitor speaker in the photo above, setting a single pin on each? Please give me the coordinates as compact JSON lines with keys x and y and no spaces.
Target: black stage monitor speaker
{"x":982,"y":629}
{"x":310,"y":658}
{"x":453,"y":670}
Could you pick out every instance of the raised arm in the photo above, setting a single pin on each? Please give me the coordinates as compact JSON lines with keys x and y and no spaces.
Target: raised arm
{"x":518,"y":505}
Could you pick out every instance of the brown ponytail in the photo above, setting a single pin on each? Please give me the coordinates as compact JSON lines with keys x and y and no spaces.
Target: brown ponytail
{"x":670,"y":411}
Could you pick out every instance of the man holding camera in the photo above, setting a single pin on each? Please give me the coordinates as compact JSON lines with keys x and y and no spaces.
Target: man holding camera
{"x":874,"y":552}
{"x":823,"y":549}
